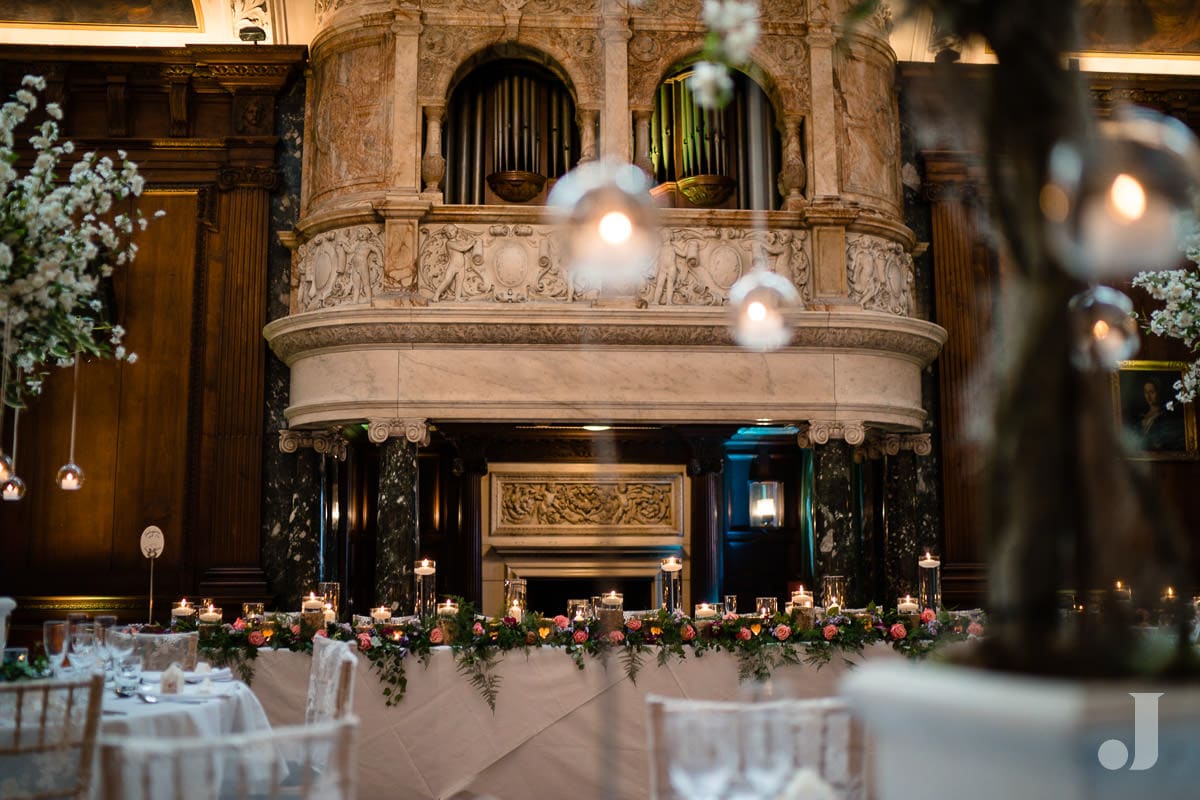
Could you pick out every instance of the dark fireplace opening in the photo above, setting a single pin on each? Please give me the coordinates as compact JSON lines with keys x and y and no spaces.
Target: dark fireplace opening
{"x":550,"y":595}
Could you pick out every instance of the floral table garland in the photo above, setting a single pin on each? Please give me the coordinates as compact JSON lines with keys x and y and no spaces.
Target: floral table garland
{"x":760,"y":644}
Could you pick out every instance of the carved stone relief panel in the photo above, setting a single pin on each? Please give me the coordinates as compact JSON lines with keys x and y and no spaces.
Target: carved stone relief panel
{"x":651,"y":54}
{"x":868,"y":128}
{"x":349,"y":109}
{"x":880,"y":274}
{"x":785,"y":60}
{"x":340,"y":267}
{"x":522,"y":263}
{"x":536,"y":500}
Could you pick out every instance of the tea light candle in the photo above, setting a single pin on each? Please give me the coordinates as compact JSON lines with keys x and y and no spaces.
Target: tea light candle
{"x":1169,"y":595}
{"x":705,"y":611}
{"x":514,"y":611}
{"x":329,"y":615}
{"x":312,"y":603}
{"x":426,"y":567}
{"x":802,"y":599}
{"x":211,"y":614}
{"x":381,"y":614}
{"x":447,"y":609}
{"x":906,"y":604}
{"x":183,"y":609}
{"x":1123,"y":591}
{"x":928,"y":562}
{"x":672,"y":564}
{"x":612,"y":599}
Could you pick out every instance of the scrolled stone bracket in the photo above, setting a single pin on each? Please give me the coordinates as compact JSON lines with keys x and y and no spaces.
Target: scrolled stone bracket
{"x":414,"y":430}
{"x":819,"y":431}
{"x":326,"y":443}
{"x":881,"y":444}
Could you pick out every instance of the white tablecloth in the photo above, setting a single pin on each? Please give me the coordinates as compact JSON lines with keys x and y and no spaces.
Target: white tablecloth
{"x":558,"y":733}
{"x":230,"y":707}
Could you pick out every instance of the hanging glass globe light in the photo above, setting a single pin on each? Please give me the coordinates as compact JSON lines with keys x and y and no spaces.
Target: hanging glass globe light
{"x":6,"y":467}
{"x":70,"y":477}
{"x":12,"y":489}
{"x":1124,"y":203}
{"x":1104,"y":329}
{"x":758,"y":301}
{"x":607,"y":224}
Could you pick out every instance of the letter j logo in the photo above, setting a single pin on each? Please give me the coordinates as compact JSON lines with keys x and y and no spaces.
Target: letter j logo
{"x":1113,"y":753}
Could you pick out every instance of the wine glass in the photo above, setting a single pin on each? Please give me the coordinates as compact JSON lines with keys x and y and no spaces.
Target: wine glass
{"x":701,"y":760}
{"x":121,"y":643}
{"x":54,"y":638}
{"x":104,"y":623}
{"x":83,"y":648}
{"x":767,"y":739}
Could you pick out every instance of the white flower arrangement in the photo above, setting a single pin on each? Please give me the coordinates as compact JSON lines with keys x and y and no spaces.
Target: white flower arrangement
{"x":58,"y":242}
{"x":1179,"y":318}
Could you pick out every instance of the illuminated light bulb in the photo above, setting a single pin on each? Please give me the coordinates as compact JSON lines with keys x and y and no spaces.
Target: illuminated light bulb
{"x":615,"y":227}
{"x":1104,"y":329}
{"x":13,"y":489}
{"x":756,"y":311}
{"x":1128,"y":198}
{"x":758,"y":301}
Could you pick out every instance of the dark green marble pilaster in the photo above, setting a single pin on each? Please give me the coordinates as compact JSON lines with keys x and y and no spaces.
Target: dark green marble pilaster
{"x":839,"y":551}
{"x":902,"y":525}
{"x":398,"y":539}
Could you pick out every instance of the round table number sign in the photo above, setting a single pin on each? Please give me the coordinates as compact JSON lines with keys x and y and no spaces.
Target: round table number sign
{"x":152,"y":541}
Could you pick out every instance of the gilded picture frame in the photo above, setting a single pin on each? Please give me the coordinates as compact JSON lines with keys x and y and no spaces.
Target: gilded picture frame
{"x":1141,"y":391}
{"x":164,"y":15}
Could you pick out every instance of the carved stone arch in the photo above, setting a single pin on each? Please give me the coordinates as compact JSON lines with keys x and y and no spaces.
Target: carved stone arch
{"x":643,"y":88}
{"x":489,"y":51}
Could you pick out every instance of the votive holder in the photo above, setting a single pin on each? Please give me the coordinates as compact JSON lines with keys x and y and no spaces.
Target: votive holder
{"x":252,"y":613}
{"x":706,"y":612}
{"x":425,"y":605}
{"x":381,"y":614}
{"x":16,"y":655}
{"x":929,"y":581}
{"x":611,"y":614}
{"x":332,"y":591}
{"x":766,"y":606}
{"x":833,"y":591}
{"x":670,"y":577}
{"x":578,"y":610}
{"x":514,"y":598}
{"x":802,"y":599}
{"x":731,"y":604}
{"x":269,"y":626}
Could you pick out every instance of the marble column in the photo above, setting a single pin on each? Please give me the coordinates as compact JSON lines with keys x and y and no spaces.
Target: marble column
{"x":614,"y":122}
{"x":901,"y":529}
{"x":470,"y":466}
{"x":641,"y":141}
{"x":397,"y":538}
{"x":839,"y":549}
{"x":706,"y":468}
{"x":826,"y":181}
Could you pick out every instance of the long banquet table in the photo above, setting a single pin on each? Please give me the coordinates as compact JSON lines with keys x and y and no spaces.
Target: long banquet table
{"x":552,"y":726}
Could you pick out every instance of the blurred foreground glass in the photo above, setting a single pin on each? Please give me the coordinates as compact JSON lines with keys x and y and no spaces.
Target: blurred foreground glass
{"x":54,"y":639}
{"x":702,"y":751}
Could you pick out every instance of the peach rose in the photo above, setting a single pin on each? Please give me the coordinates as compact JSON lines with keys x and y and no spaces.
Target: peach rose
{"x":928,"y":615}
{"x":320,"y":632}
{"x":898,"y":631}
{"x":295,"y":630}
{"x":616,"y":637}
{"x":364,"y":641}
{"x":239,"y":624}
{"x":975,"y":629}
{"x":829,"y":631}
{"x":436,"y":636}
{"x":743,"y":634}
{"x":256,"y":639}
{"x":634,"y":624}
{"x":580,"y":637}
{"x":561,"y":622}
{"x":477,"y":629}
{"x":688,"y":633}
{"x":530,"y":638}
{"x":782,"y":632}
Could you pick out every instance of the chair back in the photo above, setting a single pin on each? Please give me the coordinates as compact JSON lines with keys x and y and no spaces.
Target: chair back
{"x":825,"y":739}
{"x":48,"y":737}
{"x":331,"y":680}
{"x":161,"y":650}
{"x":296,"y":762}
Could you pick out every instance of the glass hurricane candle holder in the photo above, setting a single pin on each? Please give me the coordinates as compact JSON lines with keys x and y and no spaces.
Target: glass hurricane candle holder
{"x":612,"y":601}
{"x":252,"y":613}
{"x":767,"y":606}
{"x":514,"y":598}
{"x":731,"y":604}
{"x":802,"y":598}
{"x":670,"y":576}
{"x":332,"y":592}
{"x":426,"y":599}
{"x":929,"y":581}
{"x":833,"y":591}
{"x":312,"y":602}
{"x":578,"y":610}
{"x":705,"y":612}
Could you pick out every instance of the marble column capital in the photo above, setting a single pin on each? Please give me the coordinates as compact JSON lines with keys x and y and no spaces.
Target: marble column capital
{"x":329,"y":443}
{"x":414,"y":430}
{"x":879,"y":444}
{"x":819,"y":431}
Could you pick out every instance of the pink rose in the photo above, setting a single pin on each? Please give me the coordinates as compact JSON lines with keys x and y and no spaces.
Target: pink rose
{"x":239,"y":624}
{"x":477,"y":629}
{"x":634,"y":624}
{"x":580,"y":637}
{"x":364,"y":641}
{"x":256,"y":639}
{"x":561,"y":622}
{"x":320,"y":632}
{"x":928,"y":615}
{"x":898,"y":631}
{"x":782,"y":632}
{"x":744,"y":634}
{"x":295,"y":630}
{"x":688,"y":633}
{"x":616,"y":637}
{"x":436,"y":636}
{"x":729,"y":616}
{"x":829,"y":631}
{"x":975,"y":629}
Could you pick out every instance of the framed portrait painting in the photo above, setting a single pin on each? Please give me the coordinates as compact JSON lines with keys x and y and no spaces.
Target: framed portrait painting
{"x":1141,"y":393}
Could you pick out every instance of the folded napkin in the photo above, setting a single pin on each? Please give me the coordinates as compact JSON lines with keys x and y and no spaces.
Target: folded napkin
{"x":221,"y":674}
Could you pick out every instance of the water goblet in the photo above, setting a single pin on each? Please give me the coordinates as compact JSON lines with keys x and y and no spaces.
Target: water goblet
{"x":127,"y":676}
{"x":83,"y":648}
{"x":54,"y":638}
{"x":103,"y":624}
{"x":767,"y":739}
{"x":121,"y":643}
{"x":701,"y":761}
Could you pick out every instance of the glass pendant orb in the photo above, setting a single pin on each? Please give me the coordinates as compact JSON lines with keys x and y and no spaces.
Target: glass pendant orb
{"x":70,"y":477}
{"x":6,"y":467}
{"x":1125,"y":203}
{"x":758,"y":301}
{"x":12,"y":489}
{"x":607,"y":225}
{"x":1104,"y":329}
